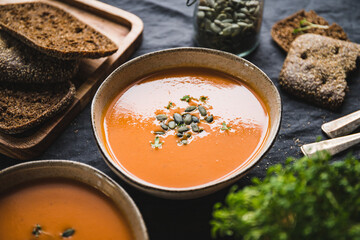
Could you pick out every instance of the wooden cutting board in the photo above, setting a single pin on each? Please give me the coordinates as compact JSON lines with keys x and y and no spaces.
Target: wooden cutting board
{"x":124,"y":28}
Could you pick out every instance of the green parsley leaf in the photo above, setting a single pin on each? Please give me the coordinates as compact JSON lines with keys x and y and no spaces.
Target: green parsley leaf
{"x":170,"y":105}
{"x":203,"y":98}
{"x":225,"y":127}
{"x":157,"y":143}
{"x":308,"y":198}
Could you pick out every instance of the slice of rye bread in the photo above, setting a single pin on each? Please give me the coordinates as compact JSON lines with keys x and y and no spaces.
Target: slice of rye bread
{"x":23,"y":107}
{"x":316,"y":67}
{"x":282,"y":31}
{"x":20,"y":63}
{"x":53,"y":31}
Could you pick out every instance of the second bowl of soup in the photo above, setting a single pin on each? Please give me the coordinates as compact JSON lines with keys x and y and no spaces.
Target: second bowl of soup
{"x":182,"y":123}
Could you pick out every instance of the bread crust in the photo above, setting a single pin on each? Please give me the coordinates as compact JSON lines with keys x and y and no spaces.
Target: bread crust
{"x":54,"y":31}
{"x":26,"y":106}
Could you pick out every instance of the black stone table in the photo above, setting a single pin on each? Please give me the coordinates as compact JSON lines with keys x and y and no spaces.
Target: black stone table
{"x":168,"y":24}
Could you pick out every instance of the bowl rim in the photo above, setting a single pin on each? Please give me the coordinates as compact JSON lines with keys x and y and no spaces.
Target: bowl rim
{"x":44,"y":164}
{"x":168,"y":191}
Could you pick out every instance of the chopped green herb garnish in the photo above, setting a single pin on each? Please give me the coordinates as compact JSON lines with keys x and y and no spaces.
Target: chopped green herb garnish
{"x":157,"y":143}
{"x":318,"y":138}
{"x":185,"y":98}
{"x":308,"y":198}
{"x":68,"y":233}
{"x":203,"y":98}
{"x":225,"y":127}
{"x":36,"y":230}
{"x":170,"y":105}
{"x":306,"y":25}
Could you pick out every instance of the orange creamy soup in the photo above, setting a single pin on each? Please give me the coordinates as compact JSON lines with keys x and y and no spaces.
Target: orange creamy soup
{"x":58,"y":205}
{"x":130,"y":126}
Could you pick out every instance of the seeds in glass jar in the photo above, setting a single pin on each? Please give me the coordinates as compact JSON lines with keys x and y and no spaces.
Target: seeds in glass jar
{"x":200,"y":14}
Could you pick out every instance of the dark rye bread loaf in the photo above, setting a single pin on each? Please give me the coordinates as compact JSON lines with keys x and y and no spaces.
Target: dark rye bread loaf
{"x":20,"y":63}
{"x":283,"y":31}
{"x":25,"y":106}
{"x":53,"y":31}
{"x":316,"y":67}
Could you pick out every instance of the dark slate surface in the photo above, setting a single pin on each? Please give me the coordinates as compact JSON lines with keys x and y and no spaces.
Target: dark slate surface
{"x":169,"y":24}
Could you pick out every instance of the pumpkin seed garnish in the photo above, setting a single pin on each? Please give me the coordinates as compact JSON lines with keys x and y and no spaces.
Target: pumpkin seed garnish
{"x":172,"y":124}
{"x":68,"y":233}
{"x":183,"y":129}
{"x":190,"y":108}
{"x":187,"y":119}
{"x":202,"y":110}
{"x":195,"y":127}
{"x":161,"y":117}
{"x":159,"y":133}
{"x":209,"y":119}
{"x":195,"y":119}
{"x":184,"y":142}
{"x":164,"y":126}
{"x":157,"y":143}
{"x":178,"y":118}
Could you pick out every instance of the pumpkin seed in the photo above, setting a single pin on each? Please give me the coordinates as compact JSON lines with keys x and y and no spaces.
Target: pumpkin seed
{"x":180,"y":135}
{"x":187,"y":119}
{"x":215,"y":29}
{"x":178,"y":118}
{"x":200,"y":14}
{"x":195,"y":119}
{"x":209,"y":119}
{"x":204,"y":8}
{"x":195,"y":127}
{"x":164,"y":126}
{"x":184,"y":142}
{"x":159,"y":133}
{"x":188,"y":135}
{"x":192,"y":108}
{"x":161,"y":117}
{"x":202,"y":110}
{"x":183,"y":129}
{"x":172,"y":124}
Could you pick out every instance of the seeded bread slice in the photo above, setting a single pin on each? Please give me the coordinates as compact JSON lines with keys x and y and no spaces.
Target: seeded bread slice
{"x":20,"y":63}
{"x":282,"y":31}
{"x":23,"y":107}
{"x":53,"y":31}
{"x":316,"y":67}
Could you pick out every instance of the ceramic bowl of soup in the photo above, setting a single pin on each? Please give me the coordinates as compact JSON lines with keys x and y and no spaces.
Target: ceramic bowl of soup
{"x":185,"y":122}
{"x":60,"y":199}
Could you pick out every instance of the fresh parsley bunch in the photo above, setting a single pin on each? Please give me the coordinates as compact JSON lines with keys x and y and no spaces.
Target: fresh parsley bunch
{"x":308,"y":198}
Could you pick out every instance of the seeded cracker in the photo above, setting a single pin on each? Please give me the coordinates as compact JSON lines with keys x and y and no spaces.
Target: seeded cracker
{"x":316,"y":67}
{"x":20,"y":63}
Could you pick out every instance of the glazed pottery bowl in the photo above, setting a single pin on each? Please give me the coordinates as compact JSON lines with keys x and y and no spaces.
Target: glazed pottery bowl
{"x":69,"y":170}
{"x":130,"y":72}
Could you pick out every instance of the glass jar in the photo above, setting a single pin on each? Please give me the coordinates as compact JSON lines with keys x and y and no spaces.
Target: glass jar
{"x":228,"y":25}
